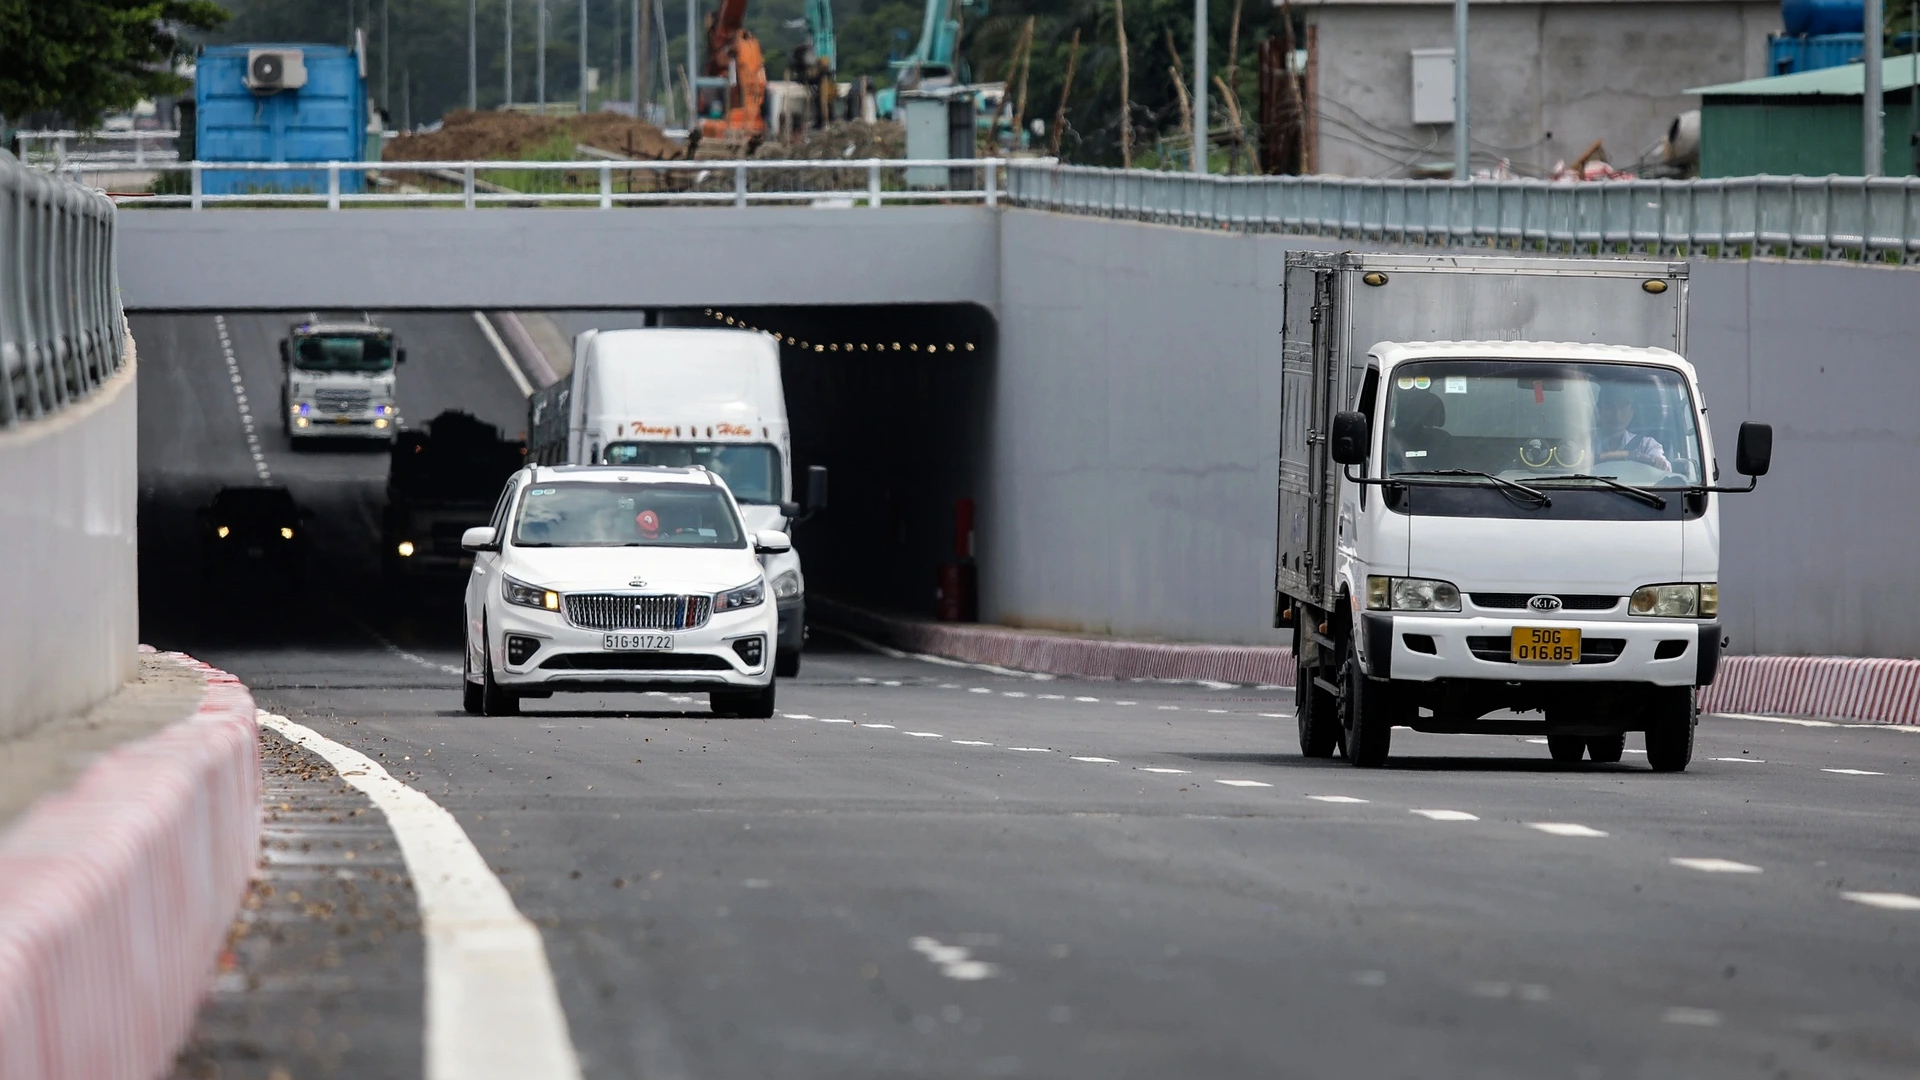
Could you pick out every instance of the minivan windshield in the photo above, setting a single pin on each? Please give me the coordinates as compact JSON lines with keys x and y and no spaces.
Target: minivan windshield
{"x":582,"y":514}
{"x":751,"y":470}
{"x":343,"y":352}
{"x":1533,"y":421}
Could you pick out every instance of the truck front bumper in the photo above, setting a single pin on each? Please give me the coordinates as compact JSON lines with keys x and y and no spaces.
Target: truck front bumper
{"x":1653,"y":652}
{"x":328,"y":426}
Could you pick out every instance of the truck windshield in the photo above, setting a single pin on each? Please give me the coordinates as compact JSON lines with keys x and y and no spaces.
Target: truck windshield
{"x":1531,"y":421}
{"x":752,"y":470}
{"x":626,"y":515}
{"x":343,"y":352}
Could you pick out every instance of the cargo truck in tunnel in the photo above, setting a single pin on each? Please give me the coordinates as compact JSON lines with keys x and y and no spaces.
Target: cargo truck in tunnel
{"x":337,"y":381}
{"x":441,"y":481}
{"x":1498,"y":498}
{"x":689,"y":397}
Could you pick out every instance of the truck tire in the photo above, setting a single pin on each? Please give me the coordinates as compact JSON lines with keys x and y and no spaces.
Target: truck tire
{"x":495,"y":700}
{"x":1367,"y":713}
{"x":751,"y":704}
{"x":786,"y":663}
{"x":1670,"y":723}
{"x":1317,"y":712}
{"x":1567,"y":747}
{"x":469,"y":690}
{"x":1606,"y":749}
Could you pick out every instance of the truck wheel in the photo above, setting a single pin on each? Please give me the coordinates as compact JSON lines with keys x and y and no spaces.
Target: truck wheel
{"x":1367,"y":714}
{"x":751,"y":704}
{"x":1606,"y":749}
{"x":494,"y":699}
{"x":1567,"y":747}
{"x":786,"y":663}
{"x":1317,"y":711}
{"x":469,"y":690}
{"x":1670,"y":724}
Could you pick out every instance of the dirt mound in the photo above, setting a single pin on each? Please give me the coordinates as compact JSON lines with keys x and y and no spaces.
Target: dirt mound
{"x":515,"y":136}
{"x":844,"y":139}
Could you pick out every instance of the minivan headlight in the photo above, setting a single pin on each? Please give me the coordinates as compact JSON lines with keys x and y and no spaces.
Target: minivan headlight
{"x":1692,"y":600}
{"x":519,"y":592}
{"x":754,"y":592}
{"x":786,"y":585}
{"x":1411,"y":594}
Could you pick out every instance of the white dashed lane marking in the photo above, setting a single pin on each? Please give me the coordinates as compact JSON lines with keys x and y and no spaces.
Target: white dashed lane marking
{"x":1244,"y":783}
{"x":1335,"y":798}
{"x":1098,"y":760}
{"x":954,"y":961}
{"x":1031,"y":749}
{"x":240,"y":400}
{"x":923,"y":734}
{"x":1742,"y":760}
{"x":970,"y":742}
{"x":887,"y":726}
{"x":1716,"y":866}
{"x":833,"y":720}
{"x":1687,"y":1016}
{"x":1853,"y":772}
{"x":1564,"y":828}
{"x":1892,"y":901}
{"x":1144,"y":768}
{"x":1446,"y":815}
{"x":1797,"y":722}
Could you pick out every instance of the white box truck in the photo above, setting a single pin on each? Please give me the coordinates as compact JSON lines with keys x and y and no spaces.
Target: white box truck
{"x":337,"y":381}
{"x":680,"y":397}
{"x":1498,"y":504}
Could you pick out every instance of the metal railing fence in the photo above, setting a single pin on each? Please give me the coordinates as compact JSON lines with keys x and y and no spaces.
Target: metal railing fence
{"x":1876,"y":219}
{"x":61,"y":328}
{"x":473,"y":184}
{"x":137,"y":148}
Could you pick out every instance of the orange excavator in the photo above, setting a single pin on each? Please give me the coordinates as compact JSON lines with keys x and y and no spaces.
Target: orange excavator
{"x":735,"y":111}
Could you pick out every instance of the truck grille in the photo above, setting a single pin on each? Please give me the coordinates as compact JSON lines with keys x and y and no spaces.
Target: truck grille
{"x":335,"y":399}
{"x":630,"y":611}
{"x":1568,"y":601}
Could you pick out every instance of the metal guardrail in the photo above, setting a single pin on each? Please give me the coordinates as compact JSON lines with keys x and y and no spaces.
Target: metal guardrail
{"x":1876,"y":219}
{"x":138,"y":147}
{"x":61,"y":328}
{"x":872,"y":181}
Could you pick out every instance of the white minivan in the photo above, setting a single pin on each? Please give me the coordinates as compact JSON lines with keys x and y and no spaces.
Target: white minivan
{"x":619,"y":579}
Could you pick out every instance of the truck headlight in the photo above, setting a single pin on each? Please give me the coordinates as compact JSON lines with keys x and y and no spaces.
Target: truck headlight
{"x":1411,"y":594}
{"x":1693,"y":600}
{"x":745,"y":596}
{"x":786,"y":585}
{"x":519,"y":592}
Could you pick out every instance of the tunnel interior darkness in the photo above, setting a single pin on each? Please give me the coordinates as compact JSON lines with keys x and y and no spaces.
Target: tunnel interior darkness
{"x":903,"y":432}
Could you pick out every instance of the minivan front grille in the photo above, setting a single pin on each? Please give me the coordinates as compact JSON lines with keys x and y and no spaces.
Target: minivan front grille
{"x":631,"y":611}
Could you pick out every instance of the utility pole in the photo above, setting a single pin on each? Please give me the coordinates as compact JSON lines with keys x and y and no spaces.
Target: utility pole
{"x":693,"y":63}
{"x":473,"y":55}
{"x":540,"y":54}
{"x":507,"y":100}
{"x":583,"y":57}
{"x":1200,"y":87}
{"x":639,"y":37}
{"x":1873,"y":105}
{"x":1462,"y":144}
{"x":386,"y":51}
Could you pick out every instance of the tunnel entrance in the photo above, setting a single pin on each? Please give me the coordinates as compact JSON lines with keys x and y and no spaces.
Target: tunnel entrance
{"x":893,"y":400}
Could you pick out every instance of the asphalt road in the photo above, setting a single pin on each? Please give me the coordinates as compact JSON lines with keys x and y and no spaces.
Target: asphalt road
{"x":920,"y":869}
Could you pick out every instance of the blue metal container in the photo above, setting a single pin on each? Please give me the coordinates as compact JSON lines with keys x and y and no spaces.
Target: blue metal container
{"x":322,"y":119}
{"x":1803,"y":18}
{"x":1788,"y":55}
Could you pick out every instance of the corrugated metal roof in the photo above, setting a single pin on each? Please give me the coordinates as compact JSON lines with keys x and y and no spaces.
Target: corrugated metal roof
{"x":1848,"y":80}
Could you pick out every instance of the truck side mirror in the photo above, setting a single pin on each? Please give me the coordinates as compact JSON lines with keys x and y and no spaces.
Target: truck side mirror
{"x":1350,"y":438}
{"x":1754,"y":455}
{"x":286,"y":357}
{"x":816,"y":488}
{"x":400,"y":356}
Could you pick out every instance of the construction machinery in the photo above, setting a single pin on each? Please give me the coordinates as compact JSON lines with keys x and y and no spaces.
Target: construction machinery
{"x":733,"y":83}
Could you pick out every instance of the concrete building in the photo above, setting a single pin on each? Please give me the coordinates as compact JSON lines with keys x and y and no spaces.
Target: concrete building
{"x":1547,"y":77}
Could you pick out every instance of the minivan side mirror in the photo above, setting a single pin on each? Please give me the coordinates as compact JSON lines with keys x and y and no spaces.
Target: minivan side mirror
{"x":1351,"y":435}
{"x":771,"y":542}
{"x":480,"y":538}
{"x":1754,"y":454}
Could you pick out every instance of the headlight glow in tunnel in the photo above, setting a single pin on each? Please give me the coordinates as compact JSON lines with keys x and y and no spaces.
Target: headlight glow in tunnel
{"x":405,"y":549}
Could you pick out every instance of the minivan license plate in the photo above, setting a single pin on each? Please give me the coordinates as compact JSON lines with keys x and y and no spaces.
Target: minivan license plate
{"x":637,"y":642}
{"x":1546,"y":645}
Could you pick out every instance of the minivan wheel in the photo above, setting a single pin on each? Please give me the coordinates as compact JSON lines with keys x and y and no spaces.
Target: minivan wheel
{"x":469,"y":690}
{"x":751,"y":704}
{"x":786,"y":663}
{"x":495,"y":700}
{"x":1567,"y":747}
{"x":1606,"y":749}
{"x":1670,"y":723}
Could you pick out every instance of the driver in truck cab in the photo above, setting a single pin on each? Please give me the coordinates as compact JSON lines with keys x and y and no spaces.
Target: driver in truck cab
{"x":1613,"y":441}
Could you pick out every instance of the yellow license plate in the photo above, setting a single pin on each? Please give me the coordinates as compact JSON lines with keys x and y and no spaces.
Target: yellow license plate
{"x":343,"y":419}
{"x":1545,"y":645}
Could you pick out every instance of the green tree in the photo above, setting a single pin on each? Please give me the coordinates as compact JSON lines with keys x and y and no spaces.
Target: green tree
{"x":81,"y":59}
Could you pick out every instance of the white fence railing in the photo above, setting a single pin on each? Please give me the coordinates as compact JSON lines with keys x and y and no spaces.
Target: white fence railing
{"x":137,"y":148}
{"x":1795,"y":216}
{"x":470,"y":184}
{"x":61,"y":329}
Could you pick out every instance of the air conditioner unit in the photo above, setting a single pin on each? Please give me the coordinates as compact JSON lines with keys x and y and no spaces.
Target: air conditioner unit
{"x":272,"y":70}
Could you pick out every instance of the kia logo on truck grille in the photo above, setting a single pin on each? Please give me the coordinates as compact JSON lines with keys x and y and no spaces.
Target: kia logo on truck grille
{"x":1544,"y":603}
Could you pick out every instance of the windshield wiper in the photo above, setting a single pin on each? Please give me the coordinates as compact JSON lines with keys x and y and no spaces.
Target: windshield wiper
{"x":1505,"y":484}
{"x":1658,"y":502}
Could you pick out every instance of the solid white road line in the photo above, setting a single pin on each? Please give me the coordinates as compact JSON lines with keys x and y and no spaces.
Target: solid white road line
{"x":1564,"y":828}
{"x":1244,"y":783}
{"x":1335,"y":798}
{"x":492,"y":1011}
{"x":500,"y":350}
{"x":1716,"y":866}
{"x":1892,"y":901}
{"x":1445,"y":815}
{"x":1853,"y":772}
{"x":1098,"y":760}
{"x":1797,"y":722}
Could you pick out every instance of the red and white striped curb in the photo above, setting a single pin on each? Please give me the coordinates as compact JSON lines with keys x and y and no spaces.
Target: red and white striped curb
{"x":1829,"y":687}
{"x":116,"y":895}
